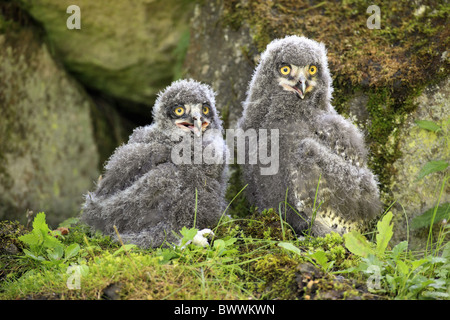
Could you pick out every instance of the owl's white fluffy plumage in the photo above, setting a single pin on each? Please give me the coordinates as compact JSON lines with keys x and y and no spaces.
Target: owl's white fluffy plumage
{"x":291,"y":90}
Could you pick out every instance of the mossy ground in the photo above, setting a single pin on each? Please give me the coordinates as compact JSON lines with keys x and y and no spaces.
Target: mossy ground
{"x":256,"y":258}
{"x":251,"y":265}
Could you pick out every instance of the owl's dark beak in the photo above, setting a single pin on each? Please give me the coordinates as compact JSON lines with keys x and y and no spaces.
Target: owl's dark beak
{"x":300,"y":87}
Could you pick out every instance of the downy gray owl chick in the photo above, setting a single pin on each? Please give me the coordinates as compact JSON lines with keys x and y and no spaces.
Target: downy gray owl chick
{"x":291,"y":91}
{"x":148,"y":187}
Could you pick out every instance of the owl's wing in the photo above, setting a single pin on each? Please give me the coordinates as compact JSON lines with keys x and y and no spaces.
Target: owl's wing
{"x":128,"y":163}
{"x":343,"y":138}
{"x":146,"y":206}
{"x":347,"y":195}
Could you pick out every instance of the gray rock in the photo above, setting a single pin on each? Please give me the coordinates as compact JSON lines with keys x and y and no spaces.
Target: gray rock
{"x":48,"y":157}
{"x":221,"y":57}
{"x":419,"y":146}
{"x":128,"y":50}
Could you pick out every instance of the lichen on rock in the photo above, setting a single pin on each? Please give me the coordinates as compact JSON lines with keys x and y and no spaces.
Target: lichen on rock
{"x":419,"y":146}
{"x":46,"y":137}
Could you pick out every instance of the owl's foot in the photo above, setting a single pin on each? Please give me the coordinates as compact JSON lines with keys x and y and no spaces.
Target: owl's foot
{"x":328,"y":222}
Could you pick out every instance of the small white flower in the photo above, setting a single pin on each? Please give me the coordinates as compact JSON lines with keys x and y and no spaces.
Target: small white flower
{"x":199,"y":238}
{"x":420,"y":11}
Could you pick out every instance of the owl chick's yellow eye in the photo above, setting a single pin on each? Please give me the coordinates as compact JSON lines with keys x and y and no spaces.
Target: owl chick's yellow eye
{"x":285,"y":70}
{"x":312,"y":70}
{"x":179,"y":111}
{"x":205,"y":110}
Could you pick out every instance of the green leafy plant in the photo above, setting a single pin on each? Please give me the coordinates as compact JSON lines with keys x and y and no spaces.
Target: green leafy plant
{"x":424,"y":220}
{"x":43,"y":245}
{"x":318,"y":258}
{"x":359,"y":245}
{"x":434,"y":165}
{"x":188,"y":235}
{"x":396,"y":271}
{"x":428,"y":125}
{"x":431,"y":167}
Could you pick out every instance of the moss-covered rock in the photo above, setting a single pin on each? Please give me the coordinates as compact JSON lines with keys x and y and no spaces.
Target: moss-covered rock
{"x":127,"y":50}
{"x":48,"y":157}
{"x":286,"y":278}
{"x":10,"y":231}
{"x":419,"y":146}
{"x":405,"y":51}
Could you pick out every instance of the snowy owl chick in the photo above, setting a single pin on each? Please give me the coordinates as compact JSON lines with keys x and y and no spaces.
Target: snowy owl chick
{"x":291,"y":90}
{"x":148,"y":189}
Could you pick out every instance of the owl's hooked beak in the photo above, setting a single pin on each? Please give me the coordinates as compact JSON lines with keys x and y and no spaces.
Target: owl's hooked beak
{"x":198,"y":123}
{"x":300,"y":86}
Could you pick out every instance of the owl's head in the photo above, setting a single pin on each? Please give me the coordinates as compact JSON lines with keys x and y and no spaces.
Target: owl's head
{"x":186,"y":106}
{"x":296,"y":68}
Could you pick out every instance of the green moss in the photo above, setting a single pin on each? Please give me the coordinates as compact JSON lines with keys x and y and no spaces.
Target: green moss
{"x":79,"y":233}
{"x":383,"y":139}
{"x":387,"y":115}
{"x":247,"y":266}
{"x":180,"y":54}
{"x":406,"y":50}
{"x":284,"y":276}
{"x":267,"y":225}
{"x":10,"y":245}
{"x":333,"y":246}
{"x":277,"y":276}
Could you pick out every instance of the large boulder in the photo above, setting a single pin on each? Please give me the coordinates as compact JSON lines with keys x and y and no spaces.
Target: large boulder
{"x":48,"y":156}
{"x":128,"y":50}
{"x":418,"y":146}
{"x":221,"y":56}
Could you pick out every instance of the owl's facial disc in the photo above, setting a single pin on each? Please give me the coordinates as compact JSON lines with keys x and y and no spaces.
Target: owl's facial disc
{"x":299,"y":80}
{"x":192,"y":117}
